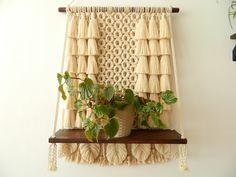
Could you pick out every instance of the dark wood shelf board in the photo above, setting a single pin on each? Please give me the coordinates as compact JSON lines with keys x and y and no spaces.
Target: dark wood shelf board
{"x":138,"y":136}
{"x":233,"y":36}
{"x":63,"y":9}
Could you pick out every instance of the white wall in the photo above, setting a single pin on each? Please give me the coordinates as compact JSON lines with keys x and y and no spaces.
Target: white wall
{"x":31,"y":39}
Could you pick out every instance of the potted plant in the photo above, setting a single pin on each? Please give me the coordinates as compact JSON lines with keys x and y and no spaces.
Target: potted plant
{"x":109,"y":108}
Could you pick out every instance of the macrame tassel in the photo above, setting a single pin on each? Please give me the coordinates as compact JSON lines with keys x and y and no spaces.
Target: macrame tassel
{"x":153,"y":29}
{"x":142,"y":66}
{"x":82,"y":47}
{"x":165,"y":64}
{"x":92,"y":65}
{"x":70,"y":102}
{"x":69,"y":119}
{"x":154,"y":65}
{"x":142,"y":83}
{"x":82,"y":27}
{"x":143,"y":95}
{"x":165,"y":47}
{"x":165,"y":116}
{"x":92,"y":47}
{"x":93,"y":31}
{"x":73,"y":27}
{"x":154,"y":86}
{"x":52,"y":157}
{"x":164,"y":27}
{"x":154,"y":47}
{"x":77,"y":158}
{"x":154,"y":97}
{"x":72,"y":64}
{"x":142,"y":48}
{"x":141,"y":31}
{"x":92,"y":77}
{"x":183,"y":158}
{"x":64,"y":150}
{"x":165,"y":83}
{"x":82,"y":65}
{"x":71,"y":47}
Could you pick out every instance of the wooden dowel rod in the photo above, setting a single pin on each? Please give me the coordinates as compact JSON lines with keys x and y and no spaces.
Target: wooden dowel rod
{"x":174,"y":9}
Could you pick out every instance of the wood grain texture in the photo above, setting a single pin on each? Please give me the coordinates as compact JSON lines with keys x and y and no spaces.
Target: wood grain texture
{"x":138,"y":136}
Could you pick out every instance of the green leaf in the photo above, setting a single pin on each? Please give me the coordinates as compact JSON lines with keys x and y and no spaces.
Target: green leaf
{"x":119,"y":104}
{"x":109,"y":92}
{"x":144,"y":122}
{"x":129,"y":96}
{"x":146,"y":108}
{"x":67,"y":79}
{"x":112,"y":112}
{"x":78,"y":104}
{"x":91,"y":130}
{"x":86,"y":88}
{"x":155,"y":118}
{"x":88,"y":135}
{"x":101,"y":110}
{"x":59,"y":78}
{"x":111,"y":128}
{"x":137,"y":105}
{"x":159,"y":107}
{"x":168,"y":97}
{"x":95,"y":92}
{"x":161,"y":124}
{"x":61,"y":90}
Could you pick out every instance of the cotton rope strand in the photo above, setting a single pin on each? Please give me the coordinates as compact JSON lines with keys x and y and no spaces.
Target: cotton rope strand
{"x":182,"y":148}
{"x":52,"y":157}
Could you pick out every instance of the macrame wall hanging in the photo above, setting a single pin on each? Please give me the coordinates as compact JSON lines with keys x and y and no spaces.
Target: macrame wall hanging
{"x":129,"y":48}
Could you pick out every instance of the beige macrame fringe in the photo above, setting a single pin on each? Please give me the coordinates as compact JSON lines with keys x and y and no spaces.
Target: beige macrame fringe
{"x":72,"y":64}
{"x":118,"y":154}
{"x":83,"y":27}
{"x":71,"y":46}
{"x":154,"y":47}
{"x":148,"y":70}
{"x":93,"y":30}
{"x":82,"y":47}
{"x":142,"y":66}
{"x":141,"y":29}
{"x":165,"y":47}
{"x":164,"y":27}
{"x":153,"y":29}
{"x":154,"y":65}
{"x":82,"y":65}
{"x":154,"y":86}
{"x":165,"y":67}
{"x":142,"y":83}
{"x":73,"y":30}
{"x":52,"y":157}
{"x":142,"y":48}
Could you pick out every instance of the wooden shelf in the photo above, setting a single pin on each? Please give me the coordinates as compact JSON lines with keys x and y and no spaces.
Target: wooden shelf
{"x":233,"y":36}
{"x":138,"y":136}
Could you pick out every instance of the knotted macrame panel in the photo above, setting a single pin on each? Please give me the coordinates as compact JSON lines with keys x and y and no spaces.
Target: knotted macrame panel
{"x":126,"y":49}
{"x":117,"y":60}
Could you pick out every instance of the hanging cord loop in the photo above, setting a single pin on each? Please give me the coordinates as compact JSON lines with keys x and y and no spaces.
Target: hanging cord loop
{"x":52,"y":156}
{"x":182,"y":147}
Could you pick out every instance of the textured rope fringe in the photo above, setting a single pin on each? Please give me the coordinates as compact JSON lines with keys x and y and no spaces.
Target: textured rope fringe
{"x":52,"y":157}
{"x":117,"y":154}
{"x":183,"y":158}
